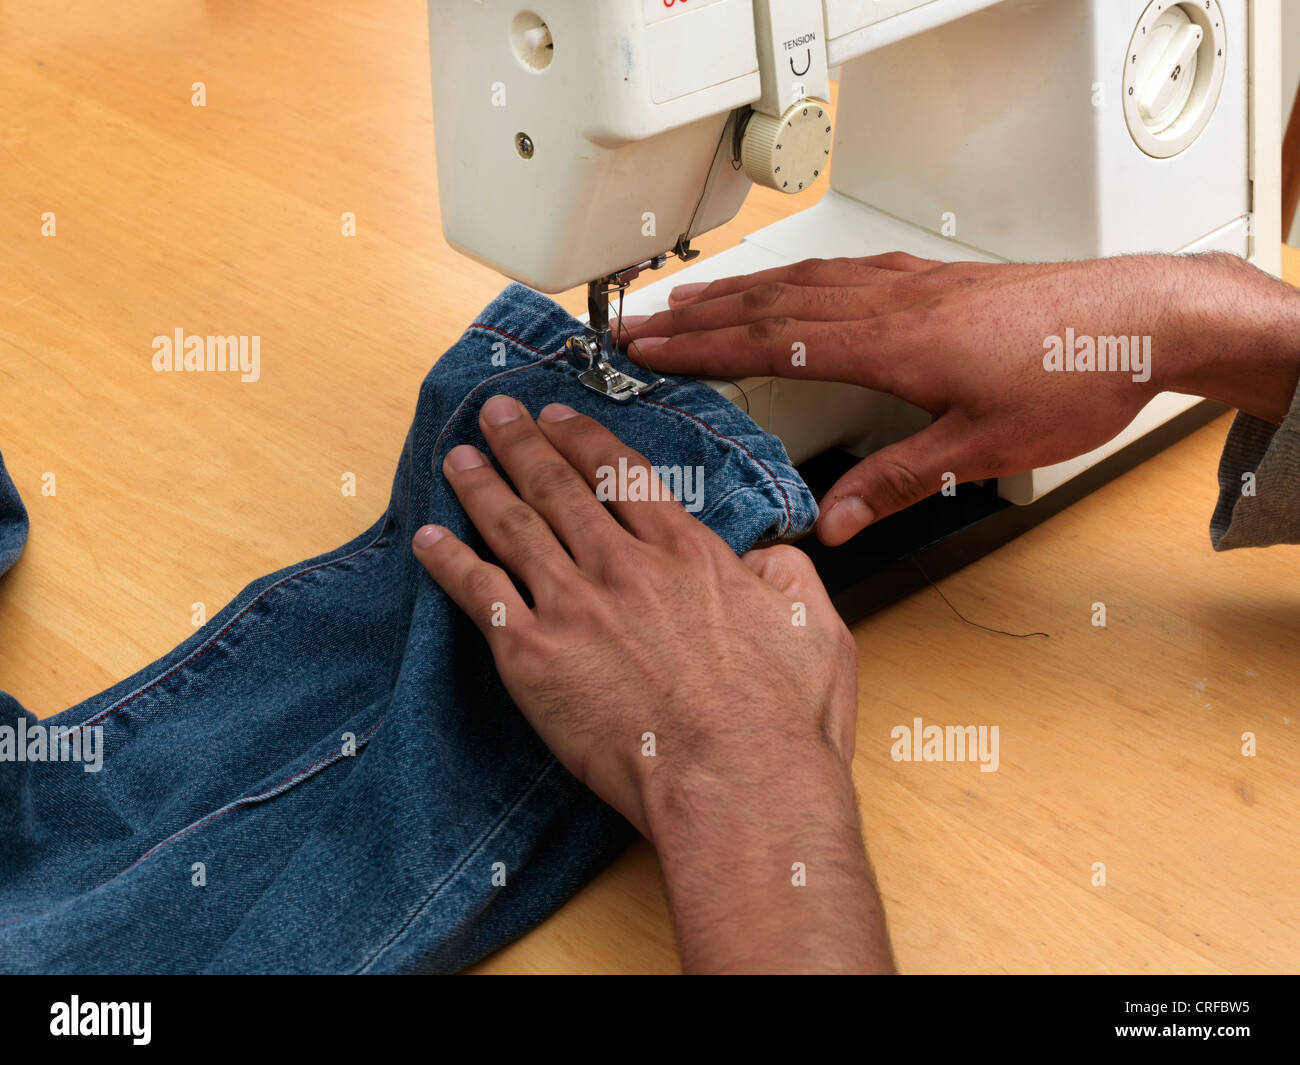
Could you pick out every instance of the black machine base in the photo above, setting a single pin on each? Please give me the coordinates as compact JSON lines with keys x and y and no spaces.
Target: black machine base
{"x":939,"y":535}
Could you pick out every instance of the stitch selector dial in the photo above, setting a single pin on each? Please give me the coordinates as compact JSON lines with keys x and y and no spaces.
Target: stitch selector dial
{"x":1173,"y":74}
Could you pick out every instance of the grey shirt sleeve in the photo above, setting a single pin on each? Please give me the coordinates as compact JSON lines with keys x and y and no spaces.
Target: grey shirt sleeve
{"x":1259,"y":483}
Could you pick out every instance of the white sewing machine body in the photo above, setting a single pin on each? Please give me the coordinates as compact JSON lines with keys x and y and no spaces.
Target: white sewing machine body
{"x":577,"y":138}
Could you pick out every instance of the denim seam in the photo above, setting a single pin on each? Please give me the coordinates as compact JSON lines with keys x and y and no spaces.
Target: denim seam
{"x":451,"y":874}
{"x":237,"y":804}
{"x":190,"y":659}
{"x":274,"y":792}
{"x":495,"y":377}
{"x":511,"y":336}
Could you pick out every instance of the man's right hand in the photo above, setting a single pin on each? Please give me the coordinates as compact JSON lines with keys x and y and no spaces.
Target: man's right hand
{"x":641,"y":626}
{"x":966,"y":342}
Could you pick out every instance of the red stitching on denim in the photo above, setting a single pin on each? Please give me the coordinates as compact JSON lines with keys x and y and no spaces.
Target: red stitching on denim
{"x":785,"y":500}
{"x":437,"y":444}
{"x":521,"y":343}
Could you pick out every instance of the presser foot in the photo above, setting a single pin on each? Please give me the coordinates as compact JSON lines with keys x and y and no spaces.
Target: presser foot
{"x":589,"y":353}
{"x":592,"y":350}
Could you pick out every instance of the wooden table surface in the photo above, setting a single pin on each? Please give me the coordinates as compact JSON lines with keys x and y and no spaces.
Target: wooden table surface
{"x":1120,"y":745}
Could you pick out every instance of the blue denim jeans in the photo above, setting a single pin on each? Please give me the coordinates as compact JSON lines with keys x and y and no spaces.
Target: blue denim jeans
{"x":328,"y":776}
{"x":13,"y":521}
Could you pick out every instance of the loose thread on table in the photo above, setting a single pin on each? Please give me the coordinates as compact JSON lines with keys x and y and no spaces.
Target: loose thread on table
{"x":976,"y":624}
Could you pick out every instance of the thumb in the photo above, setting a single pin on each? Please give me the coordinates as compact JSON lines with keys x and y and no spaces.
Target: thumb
{"x":792,"y":573}
{"x":785,"y":568}
{"x":890,"y":479}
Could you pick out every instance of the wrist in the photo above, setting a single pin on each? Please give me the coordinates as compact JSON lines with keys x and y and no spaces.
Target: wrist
{"x":721,"y":790}
{"x":1237,"y":337}
{"x":793,"y":804}
{"x":765,"y":867}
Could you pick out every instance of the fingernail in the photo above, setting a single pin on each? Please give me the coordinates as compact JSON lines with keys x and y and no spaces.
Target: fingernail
{"x":465,"y":457}
{"x":688,"y":292}
{"x":648,"y":345}
{"x":846,"y":518}
{"x":429,"y":535}
{"x":500,"y":409}
{"x":631,"y":321}
{"x":557,"y":412}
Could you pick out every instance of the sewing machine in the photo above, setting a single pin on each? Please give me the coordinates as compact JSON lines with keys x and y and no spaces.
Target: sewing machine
{"x":582,"y":142}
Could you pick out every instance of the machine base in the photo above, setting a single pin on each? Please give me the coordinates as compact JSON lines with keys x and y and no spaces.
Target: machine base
{"x":938,"y":536}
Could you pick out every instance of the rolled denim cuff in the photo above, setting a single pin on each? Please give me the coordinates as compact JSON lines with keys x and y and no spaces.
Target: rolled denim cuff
{"x":766,"y":500}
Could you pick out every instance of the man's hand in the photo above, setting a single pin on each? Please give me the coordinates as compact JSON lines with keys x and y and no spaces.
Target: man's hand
{"x":644,"y":622}
{"x":966,"y":343}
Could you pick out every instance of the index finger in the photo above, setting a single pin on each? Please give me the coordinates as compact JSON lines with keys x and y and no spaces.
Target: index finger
{"x":776,"y":299}
{"x":869,"y":352}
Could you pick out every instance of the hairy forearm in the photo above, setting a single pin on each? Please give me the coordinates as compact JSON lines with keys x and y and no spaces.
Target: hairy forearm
{"x":1237,"y":339}
{"x":766,"y":869}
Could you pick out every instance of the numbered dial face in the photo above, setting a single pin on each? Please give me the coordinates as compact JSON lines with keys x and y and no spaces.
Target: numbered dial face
{"x":1164,"y":68}
{"x":1173,"y":73}
{"x":788,"y":153}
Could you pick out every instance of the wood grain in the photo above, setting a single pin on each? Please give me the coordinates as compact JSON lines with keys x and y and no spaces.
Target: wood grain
{"x":1120,"y":745}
